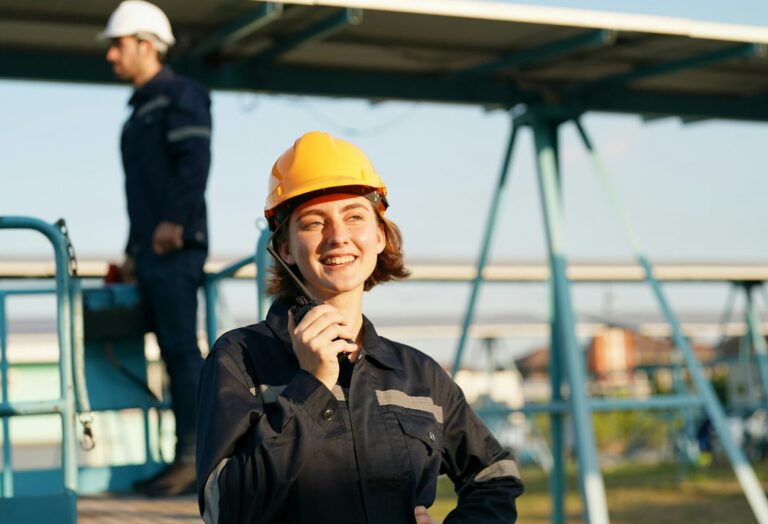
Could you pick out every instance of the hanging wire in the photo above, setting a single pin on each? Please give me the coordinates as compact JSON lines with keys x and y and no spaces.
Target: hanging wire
{"x":373,"y":130}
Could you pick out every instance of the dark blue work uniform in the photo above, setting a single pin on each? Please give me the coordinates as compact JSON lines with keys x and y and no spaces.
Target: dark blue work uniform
{"x":276,"y":446}
{"x":166,"y":154}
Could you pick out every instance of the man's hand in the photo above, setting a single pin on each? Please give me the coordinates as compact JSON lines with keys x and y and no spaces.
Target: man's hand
{"x":168,"y":238}
{"x":422,"y":517}
{"x":317,"y":341}
{"x":128,"y":270}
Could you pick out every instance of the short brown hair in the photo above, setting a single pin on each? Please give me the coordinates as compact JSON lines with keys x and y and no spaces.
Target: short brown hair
{"x":390,"y":264}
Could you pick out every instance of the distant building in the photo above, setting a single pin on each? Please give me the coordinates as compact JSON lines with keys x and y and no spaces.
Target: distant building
{"x":617,"y":359}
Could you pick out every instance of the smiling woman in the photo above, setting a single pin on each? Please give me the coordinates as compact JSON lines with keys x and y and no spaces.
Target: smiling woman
{"x":313,"y":417}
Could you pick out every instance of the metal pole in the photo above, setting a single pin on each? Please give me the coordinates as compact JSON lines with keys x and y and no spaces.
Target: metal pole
{"x":6,"y":483}
{"x":63,"y":324}
{"x":758,"y":340}
{"x":262,"y":301}
{"x":591,"y":480}
{"x":744,"y":472}
{"x":211,"y":297}
{"x":557,"y":484}
{"x":64,"y":309}
{"x":482,"y":259}
{"x":556,"y":418}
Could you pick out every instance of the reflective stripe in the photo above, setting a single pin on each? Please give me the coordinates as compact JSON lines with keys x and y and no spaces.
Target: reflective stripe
{"x":182,"y":133}
{"x":270,"y":393}
{"x":338,"y":393}
{"x":155,"y":103}
{"x":212,"y":494}
{"x":502,"y":468}
{"x":393,"y":397}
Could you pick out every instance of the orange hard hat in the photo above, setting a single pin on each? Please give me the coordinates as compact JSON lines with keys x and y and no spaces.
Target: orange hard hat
{"x":318,"y":163}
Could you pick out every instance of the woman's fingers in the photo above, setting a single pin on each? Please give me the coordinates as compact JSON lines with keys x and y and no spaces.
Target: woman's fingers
{"x":422,"y":517}
{"x":318,"y":339}
{"x":323,"y":322}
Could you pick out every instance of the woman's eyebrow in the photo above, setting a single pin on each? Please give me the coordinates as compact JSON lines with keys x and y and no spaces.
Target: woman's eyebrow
{"x":354,"y":205}
{"x":310,"y":212}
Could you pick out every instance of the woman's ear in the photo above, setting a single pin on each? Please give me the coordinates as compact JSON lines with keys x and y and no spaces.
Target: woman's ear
{"x":381,"y":238}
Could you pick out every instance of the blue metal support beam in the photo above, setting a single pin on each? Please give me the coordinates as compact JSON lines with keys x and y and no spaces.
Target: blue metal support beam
{"x":262,"y":263}
{"x":484,"y":248}
{"x":212,"y":294}
{"x":66,"y":403}
{"x":211,"y":300}
{"x":537,"y":55}
{"x":557,"y":420}
{"x":6,"y":482}
{"x":756,"y":337}
{"x":237,"y":30}
{"x":743,"y":470}
{"x":318,"y":31}
{"x":591,"y":480}
{"x":674,"y":66}
{"x":489,"y":92}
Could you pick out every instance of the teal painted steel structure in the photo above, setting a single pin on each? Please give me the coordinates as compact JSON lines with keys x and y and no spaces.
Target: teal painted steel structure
{"x":60,"y":506}
{"x":568,"y":351}
{"x":262,"y":263}
{"x":236,"y":30}
{"x":469,"y":315}
{"x":543,"y":53}
{"x":756,"y":337}
{"x":6,"y":482}
{"x":317,"y":31}
{"x":566,"y":359}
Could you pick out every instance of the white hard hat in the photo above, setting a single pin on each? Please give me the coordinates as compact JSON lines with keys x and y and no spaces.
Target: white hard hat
{"x":134,"y":17}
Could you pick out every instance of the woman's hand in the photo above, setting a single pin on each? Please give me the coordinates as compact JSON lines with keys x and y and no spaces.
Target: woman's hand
{"x":318,"y":339}
{"x":422,"y":517}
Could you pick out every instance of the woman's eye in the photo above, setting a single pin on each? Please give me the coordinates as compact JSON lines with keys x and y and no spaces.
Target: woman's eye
{"x":355,"y":218}
{"x":314,"y":224}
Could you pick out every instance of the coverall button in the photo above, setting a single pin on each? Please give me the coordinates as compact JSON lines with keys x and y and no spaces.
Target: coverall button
{"x":328,"y":414}
{"x":431,"y":436}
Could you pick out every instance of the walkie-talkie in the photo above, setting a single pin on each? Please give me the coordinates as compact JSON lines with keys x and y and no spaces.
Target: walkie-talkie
{"x":302,"y":307}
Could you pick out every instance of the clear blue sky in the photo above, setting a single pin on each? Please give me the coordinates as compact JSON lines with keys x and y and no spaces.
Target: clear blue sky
{"x":694,"y":192}
{"x":703,"y":183}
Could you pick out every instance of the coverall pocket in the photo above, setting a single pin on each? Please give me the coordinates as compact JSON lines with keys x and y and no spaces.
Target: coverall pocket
{"x":424,"y":441}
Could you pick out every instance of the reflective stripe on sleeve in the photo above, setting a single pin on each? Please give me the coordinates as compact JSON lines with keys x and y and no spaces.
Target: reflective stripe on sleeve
{"x":184,"y":132}
{"x":212,"y":495}
{"x":393,"y":397}
{"x":155,"y":103}
{"x":269,"y":394}
{"x":502,"y":468}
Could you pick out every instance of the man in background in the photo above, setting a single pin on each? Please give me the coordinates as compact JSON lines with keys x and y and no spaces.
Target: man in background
{"x":165,"y":146}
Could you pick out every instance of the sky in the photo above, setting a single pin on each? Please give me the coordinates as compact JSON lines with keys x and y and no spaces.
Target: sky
{"x":694,"y":192}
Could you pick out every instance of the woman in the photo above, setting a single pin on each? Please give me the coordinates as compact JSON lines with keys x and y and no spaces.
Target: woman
{"x":310,"y":416}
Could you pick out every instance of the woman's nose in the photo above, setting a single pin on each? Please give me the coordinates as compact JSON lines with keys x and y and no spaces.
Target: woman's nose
{"x":336,"y":232}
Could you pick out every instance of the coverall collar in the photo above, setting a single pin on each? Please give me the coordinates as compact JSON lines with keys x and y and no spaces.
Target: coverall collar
{"x":374,"y":347}
{"x":151,"y":87}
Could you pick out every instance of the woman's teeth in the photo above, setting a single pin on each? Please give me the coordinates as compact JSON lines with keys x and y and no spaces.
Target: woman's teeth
{"x":336,"y":261}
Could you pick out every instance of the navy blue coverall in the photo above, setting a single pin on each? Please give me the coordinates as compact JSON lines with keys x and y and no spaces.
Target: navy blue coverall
{"x":276,"y":446}
{"x":166,"y":154}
